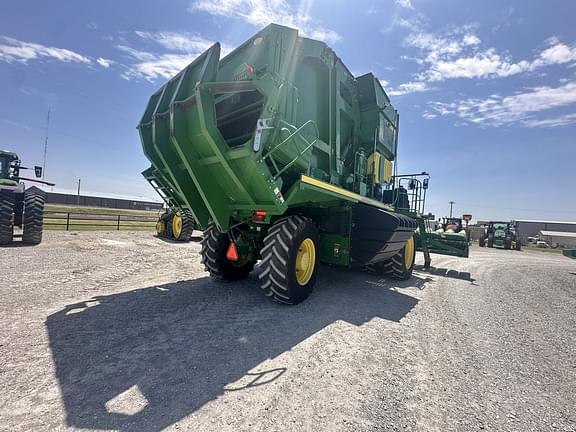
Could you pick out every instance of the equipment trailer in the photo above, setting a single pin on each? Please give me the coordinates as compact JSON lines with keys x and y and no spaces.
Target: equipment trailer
{"x":285,"y":157}
{"x":19,"y":207}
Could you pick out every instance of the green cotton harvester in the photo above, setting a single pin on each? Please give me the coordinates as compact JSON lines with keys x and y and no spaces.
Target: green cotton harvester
{"x":284,"y":157}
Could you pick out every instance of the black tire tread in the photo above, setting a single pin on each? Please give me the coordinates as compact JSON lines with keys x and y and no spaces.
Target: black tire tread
{"x":6,"y":217}
{"x":187,"y":226}
{"x":279,"y":244}
{"x":214,"y":246}
{"x":33,"y":217}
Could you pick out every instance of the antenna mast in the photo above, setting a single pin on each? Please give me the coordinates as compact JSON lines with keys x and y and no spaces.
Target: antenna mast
{"x":46,"y":144}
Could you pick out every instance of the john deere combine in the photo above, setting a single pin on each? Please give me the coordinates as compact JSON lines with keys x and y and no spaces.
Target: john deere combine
{"x":285,"y":157}
{"x":19,"y":207}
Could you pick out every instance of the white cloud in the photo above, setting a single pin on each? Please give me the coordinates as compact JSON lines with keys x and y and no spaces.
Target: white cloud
{"x":152,"y":65}
{"x":519,"y":108}
{"x":13,"y":50}
{"x":409,"y":87}
{"x":184,"y":42}
{"x":405,"y":4}
{"x":459,"y":54}
{"x":105,"y":63}
{"x":263,"y":12}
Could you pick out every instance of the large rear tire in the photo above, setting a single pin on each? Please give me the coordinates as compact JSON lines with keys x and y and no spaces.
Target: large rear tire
{"x":182,"y":225}
{"x":6,"y":217}
{"x":289,"y":260}
{"x":33,"y":217}
{"x":214,"y":247}
{"x":401,"y":265}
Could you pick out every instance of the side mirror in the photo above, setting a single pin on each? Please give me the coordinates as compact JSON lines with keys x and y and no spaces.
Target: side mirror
{"x":425,"y":183}
{"x":412,"y":184}
{"x":38,"y":171}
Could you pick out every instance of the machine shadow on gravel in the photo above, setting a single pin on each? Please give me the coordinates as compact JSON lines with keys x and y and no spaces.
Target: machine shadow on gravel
{"x":162,"y":352}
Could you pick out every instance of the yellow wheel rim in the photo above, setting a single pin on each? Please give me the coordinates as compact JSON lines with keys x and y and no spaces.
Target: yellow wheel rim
{"x":177,"y":225}
{"x":409,"y":253}
{"x":305,"y":261}
{"x":160,"y":227}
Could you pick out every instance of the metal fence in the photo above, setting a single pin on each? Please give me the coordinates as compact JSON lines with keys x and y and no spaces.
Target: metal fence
{"x":76,"y":221}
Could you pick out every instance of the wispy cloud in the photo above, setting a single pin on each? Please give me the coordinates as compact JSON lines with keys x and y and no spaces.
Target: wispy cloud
{"x":520,"y":108}
{"x":151,"y":65}
{"x":460,"y":53}
{"x":105,"y":63}
{"x":263,"y":12}
{"x":405,"y":4}
{"x":409,"y":87}
{"x":14,"y":50}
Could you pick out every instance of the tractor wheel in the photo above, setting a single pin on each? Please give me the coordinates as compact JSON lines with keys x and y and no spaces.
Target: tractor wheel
{"x":6,"y":216}
{"x":482,"y":242}
{"x":401,"y":265}
{"x":507,"y":245}
{"x":33,"y":217}
{"x":182,"y":225}
{"x":161,"y":227}
{"x":289,"y":260}
{"x":490,"y":242}
{"x":518,"y":245}
{"x":214,"y":247}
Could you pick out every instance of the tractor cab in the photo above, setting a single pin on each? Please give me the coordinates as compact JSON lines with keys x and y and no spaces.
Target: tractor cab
{"x":453,"y":224}
{"x":9,"y":167}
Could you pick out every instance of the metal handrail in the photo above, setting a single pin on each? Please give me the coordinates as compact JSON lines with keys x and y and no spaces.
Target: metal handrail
{"x":286,"y":140}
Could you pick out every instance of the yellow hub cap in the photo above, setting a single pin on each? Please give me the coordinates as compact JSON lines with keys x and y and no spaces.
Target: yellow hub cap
{"x":305,"y":261}
{"x":177,"y":225}
{"x":160,"y":227}
{"x":409,"y":253}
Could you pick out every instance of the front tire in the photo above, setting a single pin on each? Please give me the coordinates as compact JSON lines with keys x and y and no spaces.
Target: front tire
{"x":33,"y":217}
{"x":289,"y":260}
{"x":182,"y":225}
{"x":6,"y":217}
{"x":214,"y":247}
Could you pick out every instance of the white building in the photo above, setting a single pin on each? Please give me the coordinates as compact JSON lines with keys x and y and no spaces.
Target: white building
{"x":563,"y":239}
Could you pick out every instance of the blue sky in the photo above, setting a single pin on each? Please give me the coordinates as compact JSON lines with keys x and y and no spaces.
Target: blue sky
{"x":486,"y":90}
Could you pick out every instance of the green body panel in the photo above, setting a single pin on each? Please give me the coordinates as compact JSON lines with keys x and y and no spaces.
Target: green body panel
{"x":570,"y":253}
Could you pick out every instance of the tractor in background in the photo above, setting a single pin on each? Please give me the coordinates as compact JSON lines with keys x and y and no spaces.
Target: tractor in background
{"x":20,"y":207}
{"x":500,"y":235}
{"x":175,"y":224}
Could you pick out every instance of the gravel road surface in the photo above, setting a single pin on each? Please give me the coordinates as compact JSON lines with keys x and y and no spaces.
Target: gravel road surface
{"x":124,"y":331}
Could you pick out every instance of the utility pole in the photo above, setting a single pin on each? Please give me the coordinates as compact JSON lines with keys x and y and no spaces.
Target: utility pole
{"x":451,"y":204}
{"x":46,"y":144}
{"x":78,"y":201}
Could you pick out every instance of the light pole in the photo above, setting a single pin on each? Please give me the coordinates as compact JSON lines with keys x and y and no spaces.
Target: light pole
{"x":451,"y":204}
{"x":78,"y":198}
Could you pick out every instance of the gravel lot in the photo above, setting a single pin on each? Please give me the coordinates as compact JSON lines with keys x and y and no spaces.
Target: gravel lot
{"x":124,"y":331}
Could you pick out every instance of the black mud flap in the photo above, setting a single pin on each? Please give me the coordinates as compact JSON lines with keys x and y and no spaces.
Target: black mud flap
{"x":378,"y":235}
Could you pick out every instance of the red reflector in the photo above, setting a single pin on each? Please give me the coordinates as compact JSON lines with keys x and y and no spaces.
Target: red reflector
{"x":261,"y":213}
{"x":232,"y":252}
{"x":249,"y":68}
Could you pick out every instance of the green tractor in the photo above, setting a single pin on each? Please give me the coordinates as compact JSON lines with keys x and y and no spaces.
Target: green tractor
{"x":287,"y":160}
{"x":500,"y":235}
{"x":19,"y":207}
{"x":176,"y":222}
